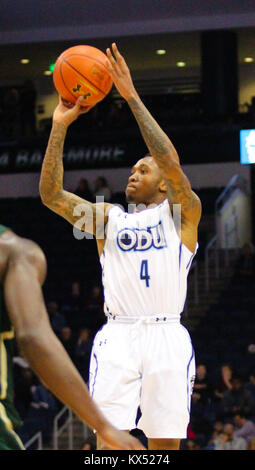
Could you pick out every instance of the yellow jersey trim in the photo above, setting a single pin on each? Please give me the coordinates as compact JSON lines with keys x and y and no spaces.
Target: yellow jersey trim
{"x":3,"y":368}
{"x":9,"y":426}
{"x":5,"y":335}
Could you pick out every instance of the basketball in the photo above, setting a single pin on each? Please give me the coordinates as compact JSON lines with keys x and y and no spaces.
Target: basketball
{"x":81,"y":71}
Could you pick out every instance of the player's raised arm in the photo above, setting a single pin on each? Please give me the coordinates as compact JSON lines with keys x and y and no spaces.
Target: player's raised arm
{"x":51,"y":188}
{"x":158,"y":143}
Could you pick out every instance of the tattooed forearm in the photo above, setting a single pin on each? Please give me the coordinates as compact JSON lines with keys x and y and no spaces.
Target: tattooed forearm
{"x":51,"y":180}
{"x":83,"y":214}
{"x":158,"y":143}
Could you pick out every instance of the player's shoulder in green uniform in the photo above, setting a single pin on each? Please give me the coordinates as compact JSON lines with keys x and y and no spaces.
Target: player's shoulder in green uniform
{"x":9,"y":418}
{"x":3,"y":229}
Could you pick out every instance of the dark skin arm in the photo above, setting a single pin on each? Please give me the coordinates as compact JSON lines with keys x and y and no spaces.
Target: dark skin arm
{"x":22,"y":272}
{"x":85,"y":215}
{"x":160,"y":148}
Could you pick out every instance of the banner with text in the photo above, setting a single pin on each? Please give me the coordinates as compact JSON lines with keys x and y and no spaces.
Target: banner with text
{"x":27,"y":159}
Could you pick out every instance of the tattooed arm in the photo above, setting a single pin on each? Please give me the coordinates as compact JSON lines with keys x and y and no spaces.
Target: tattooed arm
{"x":158,"y":143}
{"x":68,"y":205}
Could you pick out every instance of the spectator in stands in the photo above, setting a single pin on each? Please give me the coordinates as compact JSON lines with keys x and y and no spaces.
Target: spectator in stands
{"x":190,"y":431}
{"x":201,"y":413}
{"x":237,"y":400}
{"x":96,"y":296}
{"x":41,"y":413}
{"x":67,"y":340}
{"x":82,"y":353}
{"x":227,"y":440}
{"x":74,"y":297}
{"x":94,"y":309}
{"x":245,"y":427}
{"x":217,"y":430}
{"x":224,"y":383}
{"x":42,"y":398}
{"x":76,"y":293}
{"x":202,"y":390}
{"x":102,"y":188}
{"x":83,"y":190}
{"x":250,"y":385}
{"x":72,"y":307}
{"x":56,"y":319}
{"x":24,"y":380}
{"x":192,"y":444}
{"x":199,"y":436}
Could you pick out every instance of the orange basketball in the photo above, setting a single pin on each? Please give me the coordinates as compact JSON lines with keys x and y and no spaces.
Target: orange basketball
{"x":81,"y":71}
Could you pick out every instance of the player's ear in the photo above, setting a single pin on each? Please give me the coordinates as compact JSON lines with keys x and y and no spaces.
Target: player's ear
{"x":162,"y":186}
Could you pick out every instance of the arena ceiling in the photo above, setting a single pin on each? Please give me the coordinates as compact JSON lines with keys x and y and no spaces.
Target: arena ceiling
{"x":41,"y":29}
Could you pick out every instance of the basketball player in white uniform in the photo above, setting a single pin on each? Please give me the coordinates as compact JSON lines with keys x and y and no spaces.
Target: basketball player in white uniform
{"x":143,"y":356}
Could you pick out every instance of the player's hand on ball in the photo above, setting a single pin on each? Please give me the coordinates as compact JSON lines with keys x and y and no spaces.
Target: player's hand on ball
{"x":66,"y":112}
{"x":119,"y":72}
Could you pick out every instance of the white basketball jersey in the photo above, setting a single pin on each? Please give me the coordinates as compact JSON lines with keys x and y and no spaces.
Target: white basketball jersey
{"x":144,"y":264}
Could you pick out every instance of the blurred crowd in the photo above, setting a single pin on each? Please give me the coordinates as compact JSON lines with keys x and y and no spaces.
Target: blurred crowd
{"x":222,"y":411}
{"x":100,"y":188}
{"x":223,"y":399}
{"x":21,"y":115}
{"x":222,"y":404}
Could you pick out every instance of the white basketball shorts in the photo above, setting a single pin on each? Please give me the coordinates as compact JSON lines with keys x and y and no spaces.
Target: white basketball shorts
{"x":146,"y":365}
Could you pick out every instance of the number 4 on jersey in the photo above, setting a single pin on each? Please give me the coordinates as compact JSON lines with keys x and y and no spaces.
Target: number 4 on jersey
{"x":144,"y":273}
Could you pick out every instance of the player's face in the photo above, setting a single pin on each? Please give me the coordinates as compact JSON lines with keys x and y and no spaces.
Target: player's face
{"x":144,"y":182}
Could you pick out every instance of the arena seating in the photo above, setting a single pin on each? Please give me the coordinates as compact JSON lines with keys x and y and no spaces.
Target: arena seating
{"x":228,"y":328}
